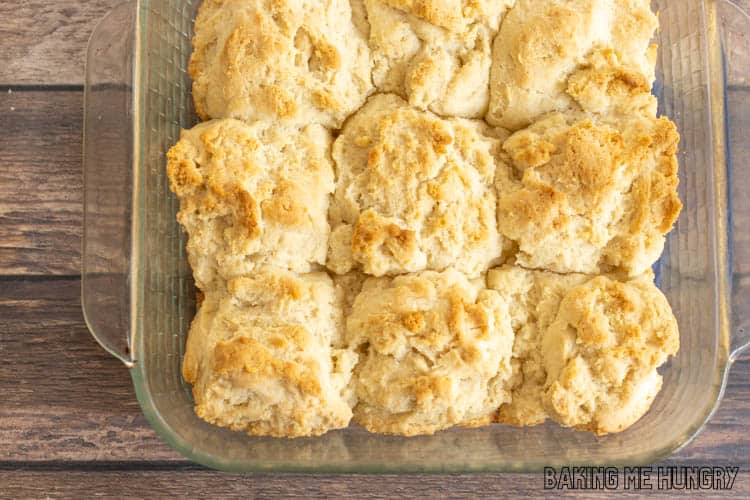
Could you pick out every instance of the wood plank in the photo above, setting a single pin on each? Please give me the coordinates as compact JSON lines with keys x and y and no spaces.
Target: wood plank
{"x":737,"y":51}
{"x":64,"y":398}
{"x":44,"y":42}
{"x":205,"y":484}
{"x":40,"y":182}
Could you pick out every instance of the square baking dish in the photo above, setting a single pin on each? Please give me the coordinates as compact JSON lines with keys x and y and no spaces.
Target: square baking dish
{"x":138,"y":295}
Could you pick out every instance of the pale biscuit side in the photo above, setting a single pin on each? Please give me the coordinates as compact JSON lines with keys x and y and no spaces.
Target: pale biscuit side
{"x":533,"y":299}
{"x":455,"y":15}
{"x":435,"y":54}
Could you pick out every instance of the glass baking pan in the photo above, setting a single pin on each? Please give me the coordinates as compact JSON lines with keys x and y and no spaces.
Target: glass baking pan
{"x":138,"y":295}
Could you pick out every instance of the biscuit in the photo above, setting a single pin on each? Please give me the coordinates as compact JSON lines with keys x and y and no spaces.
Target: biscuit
{"x":533,"y":299}
{"x":602,"y":351}
{"x":562,"y":55}
{"x":252,"y":194}
{"x":435,"y":54}
{"x":434,"y":350}
{"x":265,"y":356}
{"x":298,"y":61}
{"x":589,"y":196}
{"x":586,"y":349}
{"x":414,"y":192}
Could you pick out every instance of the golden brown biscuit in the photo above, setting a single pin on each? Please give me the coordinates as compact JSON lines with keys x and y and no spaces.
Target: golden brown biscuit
{"x":435,"y":352}
{"x":585,"y":195}
{"x":252,"y":195}
{"x":602,"y":351}
{"x":300,"y":61}
{"x":586,"y":349}
{"x":265,"y":356}
{"x":435,"y":54}
{"x":414,"y":192}
{"x":562,"y":55}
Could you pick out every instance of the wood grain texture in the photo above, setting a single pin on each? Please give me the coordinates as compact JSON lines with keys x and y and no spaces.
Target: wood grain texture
{"x":44,"y":42}
{"x":40,"y":182}
{"x":199,"y":484}
{"x":64,"y":398}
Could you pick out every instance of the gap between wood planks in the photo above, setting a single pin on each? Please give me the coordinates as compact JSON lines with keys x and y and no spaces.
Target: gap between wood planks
{"x":10,"y":88}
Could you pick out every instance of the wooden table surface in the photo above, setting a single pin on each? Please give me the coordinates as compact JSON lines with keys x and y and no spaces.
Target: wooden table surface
{"x":69,"y":422}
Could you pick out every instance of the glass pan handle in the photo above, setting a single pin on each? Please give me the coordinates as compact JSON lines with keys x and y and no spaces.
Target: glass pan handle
{"x":108,"y":182}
